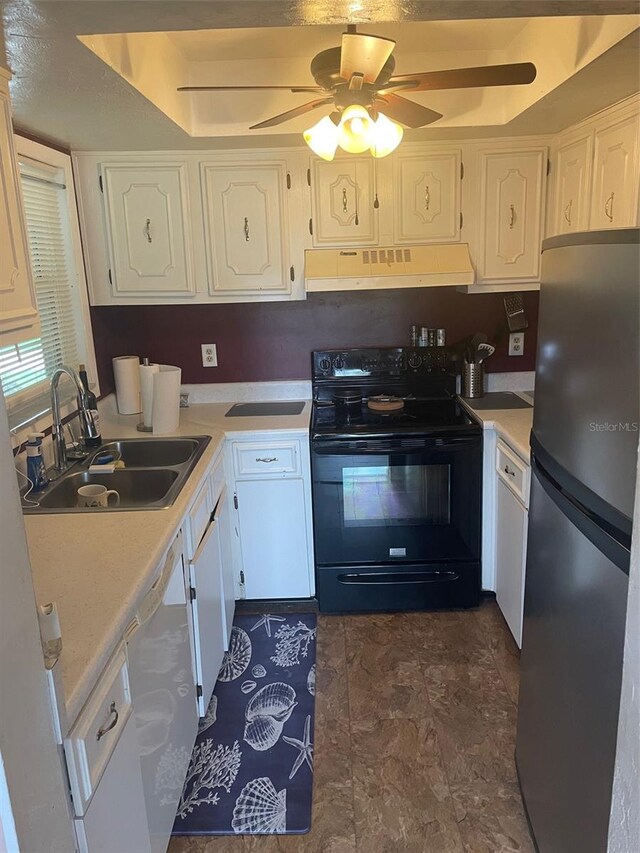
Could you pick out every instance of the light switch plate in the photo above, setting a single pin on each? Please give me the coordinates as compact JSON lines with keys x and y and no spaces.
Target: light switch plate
{"x":209,"y":355}
{"x":516,"y":343}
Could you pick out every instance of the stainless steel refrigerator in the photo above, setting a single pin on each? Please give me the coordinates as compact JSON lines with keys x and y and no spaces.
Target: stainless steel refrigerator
{"x":584,"y":454}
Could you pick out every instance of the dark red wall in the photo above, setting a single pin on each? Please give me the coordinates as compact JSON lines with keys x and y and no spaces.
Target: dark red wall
{"x":273,"y":340}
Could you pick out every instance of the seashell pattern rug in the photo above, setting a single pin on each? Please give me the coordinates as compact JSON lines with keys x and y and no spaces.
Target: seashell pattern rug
{"x":251,"y":770}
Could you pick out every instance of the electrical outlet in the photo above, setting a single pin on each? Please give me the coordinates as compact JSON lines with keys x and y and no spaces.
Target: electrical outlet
{"x":209,"y":355}
{"x":516,"y":343}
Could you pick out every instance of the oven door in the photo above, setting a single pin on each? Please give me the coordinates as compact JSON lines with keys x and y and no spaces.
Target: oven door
{"x":397,"y":501}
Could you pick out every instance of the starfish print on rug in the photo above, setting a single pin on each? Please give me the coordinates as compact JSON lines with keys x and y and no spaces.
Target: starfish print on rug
{"x":305,"y":746}
{"x":266,"y":620}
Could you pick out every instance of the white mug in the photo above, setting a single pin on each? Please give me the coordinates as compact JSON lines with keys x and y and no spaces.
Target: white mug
{"x":96,"y":496}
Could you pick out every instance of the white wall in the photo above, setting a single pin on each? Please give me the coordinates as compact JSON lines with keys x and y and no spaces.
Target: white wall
{"x":37,"y":801}
{"x":624,"y":828}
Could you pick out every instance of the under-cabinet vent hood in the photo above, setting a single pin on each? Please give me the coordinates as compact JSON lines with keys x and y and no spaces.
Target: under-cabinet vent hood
{"x":396,"y":266}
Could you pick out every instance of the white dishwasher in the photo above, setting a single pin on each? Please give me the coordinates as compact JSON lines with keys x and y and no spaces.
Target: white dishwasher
{"x":163,"y":694}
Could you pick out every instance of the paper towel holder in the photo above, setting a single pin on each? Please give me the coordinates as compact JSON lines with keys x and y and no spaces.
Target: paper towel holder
{"x":141,"y":426}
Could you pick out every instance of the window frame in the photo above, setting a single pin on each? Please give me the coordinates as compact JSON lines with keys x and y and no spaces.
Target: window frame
{"x":52,"y":158}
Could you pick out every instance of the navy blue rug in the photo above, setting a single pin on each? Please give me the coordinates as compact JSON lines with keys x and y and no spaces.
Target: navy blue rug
{"x":251,"y":770}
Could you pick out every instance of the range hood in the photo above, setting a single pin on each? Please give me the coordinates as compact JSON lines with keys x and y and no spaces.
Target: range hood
{"x":383,"y":268}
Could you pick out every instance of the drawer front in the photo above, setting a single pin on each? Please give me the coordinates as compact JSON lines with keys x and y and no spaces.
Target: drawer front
{"x":276,"y":457}
{"x":198,"y":517}
{"x":95,"y":733}
{"x":513,"y":471}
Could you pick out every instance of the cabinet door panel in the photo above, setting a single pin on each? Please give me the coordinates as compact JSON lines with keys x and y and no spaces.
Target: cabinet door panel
{"x":512,"y":199}
{"x":573,"y":186}
{"x":209,"y":642}
{"x":343,"y":197}
{"x":615,"y":194}
{"x":427,"y":197}
{"x":18,"y":307}
{"x":247,"y":233}
{"x":273,"y":535}
{"x":511,"y":536}
{"x":150,"y":245}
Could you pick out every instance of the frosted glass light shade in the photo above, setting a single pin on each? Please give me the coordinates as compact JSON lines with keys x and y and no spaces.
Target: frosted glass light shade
{"x":385,"y":136}
{"x":322,"y":138}
{"x":355,"y":128}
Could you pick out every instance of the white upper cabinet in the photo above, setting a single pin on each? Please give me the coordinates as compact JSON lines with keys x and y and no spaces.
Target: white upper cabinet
{"x":246,"y":225}
{"x":18,"y":307}
{"x":147,"y":207}
{"x":512,"y":198}
{"x":343,"y":196}
{"x":426,"y":191}
{"x":614,"y":202}
{"x":573,"y":185}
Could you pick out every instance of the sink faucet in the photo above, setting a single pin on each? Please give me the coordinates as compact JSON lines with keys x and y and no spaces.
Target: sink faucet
{"x":87,"y":425}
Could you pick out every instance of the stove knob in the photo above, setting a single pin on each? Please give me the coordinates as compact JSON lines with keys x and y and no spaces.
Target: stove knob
{"x":338,"y":362}
{"x":324,"y":364}
{"x":415,"y":360}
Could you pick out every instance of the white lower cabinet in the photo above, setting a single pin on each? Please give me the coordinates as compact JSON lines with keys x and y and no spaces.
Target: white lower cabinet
{"x":273,"y":534}
{"x":116,"y":818}
{"x":511,"y":519}
{"x":272,"y":515}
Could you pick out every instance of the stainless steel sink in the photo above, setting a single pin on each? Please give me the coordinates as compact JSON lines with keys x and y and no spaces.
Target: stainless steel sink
{"x":155,"y":472}
{"x":150,"y":452}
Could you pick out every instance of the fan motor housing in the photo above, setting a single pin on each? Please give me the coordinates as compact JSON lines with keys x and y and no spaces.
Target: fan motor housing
{"x":325,"y":68}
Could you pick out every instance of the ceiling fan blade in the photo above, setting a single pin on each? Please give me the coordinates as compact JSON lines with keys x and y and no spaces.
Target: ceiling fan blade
{"x":294,"y":113}
{"x":516,"y":74}
{"x":362,"y":54}
{"x":249,"y":88}
{"x":405,"y":112}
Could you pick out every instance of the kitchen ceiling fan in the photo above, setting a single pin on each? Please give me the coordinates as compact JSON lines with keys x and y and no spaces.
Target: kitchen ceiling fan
{"x":357,"y":79}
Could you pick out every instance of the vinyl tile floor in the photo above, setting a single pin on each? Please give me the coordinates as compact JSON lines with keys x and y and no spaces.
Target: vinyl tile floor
{"x":414,"y":740}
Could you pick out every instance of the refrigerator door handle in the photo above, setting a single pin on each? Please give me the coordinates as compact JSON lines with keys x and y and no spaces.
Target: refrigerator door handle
{"x":597,"y":531}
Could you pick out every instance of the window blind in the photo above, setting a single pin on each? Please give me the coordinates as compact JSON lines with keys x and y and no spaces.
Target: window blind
{"x":26,"y":367}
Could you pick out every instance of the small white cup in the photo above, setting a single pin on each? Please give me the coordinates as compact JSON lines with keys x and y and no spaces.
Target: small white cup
{"x":96,"y":496}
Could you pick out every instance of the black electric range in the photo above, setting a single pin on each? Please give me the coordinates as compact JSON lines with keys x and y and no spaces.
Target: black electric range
{"x":396,"y":496}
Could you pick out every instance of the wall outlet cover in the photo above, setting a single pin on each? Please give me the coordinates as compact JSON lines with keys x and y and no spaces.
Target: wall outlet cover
{"x":209,"y":355}
{"x":516,"y":343}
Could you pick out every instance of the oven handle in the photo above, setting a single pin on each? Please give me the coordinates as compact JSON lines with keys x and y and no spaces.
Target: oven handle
{"x":381,"y":578}
{"x":361,"y":446}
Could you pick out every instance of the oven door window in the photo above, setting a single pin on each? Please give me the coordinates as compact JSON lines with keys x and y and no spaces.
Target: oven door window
{"x":416,"y":506}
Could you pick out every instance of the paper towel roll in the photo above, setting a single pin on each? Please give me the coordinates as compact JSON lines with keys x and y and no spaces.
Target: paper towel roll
{"x":127,"y":375}
{"x":147,"y":372}
{"x":165,"y":413}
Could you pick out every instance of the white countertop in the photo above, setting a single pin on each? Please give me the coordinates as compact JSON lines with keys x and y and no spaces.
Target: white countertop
{"x":98,"y":566}
{"x":512,"y":425}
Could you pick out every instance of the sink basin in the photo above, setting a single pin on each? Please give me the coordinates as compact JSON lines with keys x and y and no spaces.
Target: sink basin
{"x":155,"y":471}
{"x":151,"y":452}
{"x":136,"y":488}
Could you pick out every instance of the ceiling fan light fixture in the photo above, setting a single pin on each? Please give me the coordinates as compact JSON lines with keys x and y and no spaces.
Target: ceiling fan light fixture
{"x":322,"y":138}
{"x":355,"y":129}
{"x":385,"y":136}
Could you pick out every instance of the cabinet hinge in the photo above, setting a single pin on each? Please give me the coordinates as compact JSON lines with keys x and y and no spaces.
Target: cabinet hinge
{"x":461,"y":170}
{"x":292,"y":274}
{"x":235,"y":501}
{"x":242,"y":577}
{"x":110,"y":279}
{"x":548,"y":166}
{"x":192,"y":593}
{"x":309,"y":177}
{"x":461,"y":220}
{"x":288,"y":181}
{"x":100,"y":183}
{"x":311,"y":226}
{"x":198,"y":690}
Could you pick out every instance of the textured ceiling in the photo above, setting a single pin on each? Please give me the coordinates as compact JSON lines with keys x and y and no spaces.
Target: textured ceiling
{"x":62,"y":92}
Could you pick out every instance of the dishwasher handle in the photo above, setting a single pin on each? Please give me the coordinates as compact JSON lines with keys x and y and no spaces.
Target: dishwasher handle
{"x":153,"y":598}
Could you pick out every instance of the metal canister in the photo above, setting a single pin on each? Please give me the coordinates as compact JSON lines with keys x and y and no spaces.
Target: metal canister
{"x":431,"y":338}
{"x":441,"y":337}
{"x":415,"y":336}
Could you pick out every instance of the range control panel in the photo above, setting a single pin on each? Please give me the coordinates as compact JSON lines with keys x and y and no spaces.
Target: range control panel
{"x":383,"y":361}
